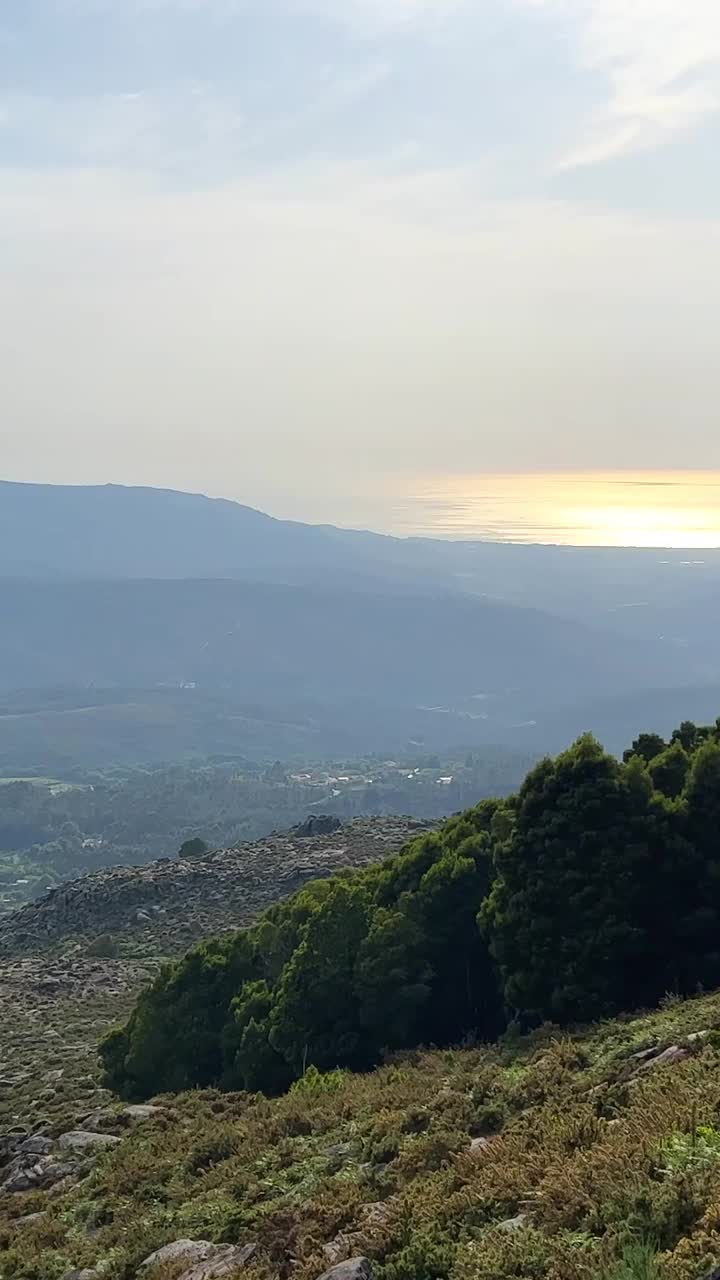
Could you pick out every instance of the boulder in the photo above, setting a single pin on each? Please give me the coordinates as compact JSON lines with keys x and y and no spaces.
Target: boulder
{"x":83,"y":1139}
{"x":513,"y":1224}
{"x":206,"y":1261}
{"x":320,"y":824}
{"x":190,"y":1250}
{"x":27,"y":1173}
{"x":37,"y":1146}
{"x":141,"y":1111}
{"x":98,"y":1121}
{"x":674,"y":1054}
{"x":352,"y":1269}
{"x":226,"y":1260}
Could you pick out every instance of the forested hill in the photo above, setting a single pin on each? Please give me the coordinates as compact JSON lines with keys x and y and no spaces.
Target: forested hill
{"x":595,"y":888}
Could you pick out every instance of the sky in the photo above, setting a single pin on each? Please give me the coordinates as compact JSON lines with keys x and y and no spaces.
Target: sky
{"x":310,"y":253}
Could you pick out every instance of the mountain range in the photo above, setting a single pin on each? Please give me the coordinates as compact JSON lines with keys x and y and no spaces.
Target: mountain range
{"x":157,"y":607}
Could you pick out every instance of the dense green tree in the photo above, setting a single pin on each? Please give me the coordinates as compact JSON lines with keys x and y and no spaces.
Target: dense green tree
{"x":194,"y":848}
{"x":174,"y":1037}
{"x":691,"y":736}
{"x":563,"y":918}
{"x":646,"y":745}
{"x":392,"y":980}
{"x":596,"y":887}
{"x":251,"y":1062}
{"x":315,"y":1018}
{"x":702,"y":827}
{"x":669,"y":771}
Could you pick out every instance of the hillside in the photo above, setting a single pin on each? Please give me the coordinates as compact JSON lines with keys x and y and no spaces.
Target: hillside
{"x":594,"y":1156}
{"x":279,"y":644}
{"x":57,"y":829}
{"x":140,"y":671}
{"x":72,"y":963}
{"x":144,"y":625}
{"x":555,"y":1150}
{"x":173,"y":902}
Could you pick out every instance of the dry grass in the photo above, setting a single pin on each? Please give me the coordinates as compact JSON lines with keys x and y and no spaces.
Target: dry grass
{"x":579,"y":1146}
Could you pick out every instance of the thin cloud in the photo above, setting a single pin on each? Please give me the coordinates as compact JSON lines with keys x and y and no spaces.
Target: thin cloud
{"x":661,"y":63}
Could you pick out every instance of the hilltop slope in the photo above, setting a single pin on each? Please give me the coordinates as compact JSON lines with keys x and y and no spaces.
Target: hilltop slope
{"x":593,"y":1157}
{"x":172,"y":902}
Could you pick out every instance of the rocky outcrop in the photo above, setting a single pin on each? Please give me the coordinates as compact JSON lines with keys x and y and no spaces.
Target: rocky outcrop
{"x":322,"y":824}
{"x":85,"y":1140}
{"x":177,"y":901}
{"x":353,"y":1269}
{"x":189,"y":1251}
{"x":200,"y":1259}
{"x":39,"y":1162}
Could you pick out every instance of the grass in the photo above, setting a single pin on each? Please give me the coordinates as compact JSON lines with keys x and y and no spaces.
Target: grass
{"x":593,"y":1172}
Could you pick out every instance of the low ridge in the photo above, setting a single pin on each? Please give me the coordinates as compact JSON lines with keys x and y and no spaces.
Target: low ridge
{"x":177,"y":900}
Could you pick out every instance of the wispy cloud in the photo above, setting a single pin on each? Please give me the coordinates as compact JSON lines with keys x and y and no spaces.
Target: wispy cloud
{"x":661,"y":62}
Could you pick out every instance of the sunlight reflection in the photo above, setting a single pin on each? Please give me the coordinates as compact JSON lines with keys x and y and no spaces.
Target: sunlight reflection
{"x":634,"y":509}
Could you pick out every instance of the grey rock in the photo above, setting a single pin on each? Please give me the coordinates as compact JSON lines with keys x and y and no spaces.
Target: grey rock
{"x":352,"y":1269}
{"x":24,"y":1175}
{"x":98,"y":1121}
{"x":192,"y":1250}
{"x":141,"y":1111}
{"x":673,"y":1054}
{"x":28,"y":1218}
{"x":226,"y":1260}
{"x":88,"y":1273}
{"x":514,"y":1224}
{"x":83,"y":1139}
{"x":18,"y":1180}
{"x":645,"y":1054}
{"x":37,"y":1146}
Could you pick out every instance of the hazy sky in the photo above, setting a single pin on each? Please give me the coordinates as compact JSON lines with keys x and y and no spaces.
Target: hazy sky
{"x":293,"y":251}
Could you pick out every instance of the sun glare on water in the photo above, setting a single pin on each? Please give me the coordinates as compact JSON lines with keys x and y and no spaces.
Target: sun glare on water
{"x":613,"y":509}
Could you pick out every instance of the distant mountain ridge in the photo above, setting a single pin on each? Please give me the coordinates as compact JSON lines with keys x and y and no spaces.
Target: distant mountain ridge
{"x":313,"y":640}
{"x":117,"y":531}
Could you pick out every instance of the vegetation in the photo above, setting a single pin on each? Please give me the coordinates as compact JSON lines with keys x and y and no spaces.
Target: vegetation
{"x":593,"y":1168}
{"x":55,"y":829}
{"x":588,"y":892}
